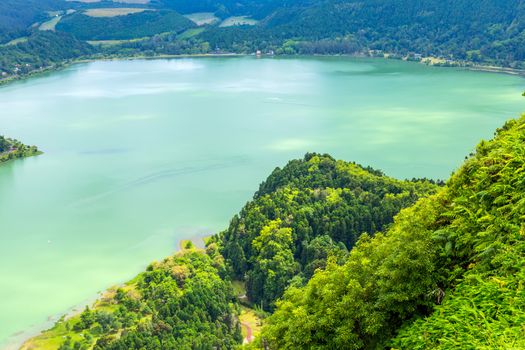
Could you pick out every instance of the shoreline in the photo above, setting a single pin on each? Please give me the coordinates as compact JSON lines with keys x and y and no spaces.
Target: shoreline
{"x":427,"y":61}
{"x":67,"y":64}
{"x":18,"y":339}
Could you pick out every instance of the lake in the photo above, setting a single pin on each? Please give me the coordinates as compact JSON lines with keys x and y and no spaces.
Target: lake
{"x":140,"y":154}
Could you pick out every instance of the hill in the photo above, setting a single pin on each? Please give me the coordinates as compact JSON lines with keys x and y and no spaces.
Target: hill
{"x":179,"y":303}
{"x":127,"y":26}
{"x":41,"y":50}
{"x":16,"y":16}
{"x":483,"y":31}
{"x":447,"y":274}
{"x":312,"y":208}
{"x":319,"y":249}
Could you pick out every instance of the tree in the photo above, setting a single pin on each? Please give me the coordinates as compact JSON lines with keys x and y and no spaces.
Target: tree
{"x":274,"y":264}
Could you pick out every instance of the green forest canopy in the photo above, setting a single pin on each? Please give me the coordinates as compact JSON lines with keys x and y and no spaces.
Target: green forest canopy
{"x":447,"y":274}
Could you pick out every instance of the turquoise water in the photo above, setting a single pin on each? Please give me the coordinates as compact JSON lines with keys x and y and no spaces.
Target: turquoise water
{"x":139,"y":154}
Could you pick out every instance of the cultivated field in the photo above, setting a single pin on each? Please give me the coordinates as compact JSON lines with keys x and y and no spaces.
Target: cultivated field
{"x":85,"y":1}
{"x":142,"y":2}
{"x":51,"y":24}
{"x":107,"y":43}
{"x":112,"y":12}
{"x":238,"y":21}
{"x":189,"y":33}
{"x":202,"y":18}
{"x":15,"y":41}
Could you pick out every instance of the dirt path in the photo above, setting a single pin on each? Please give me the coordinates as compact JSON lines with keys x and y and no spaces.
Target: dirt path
{"x":249,"y":335}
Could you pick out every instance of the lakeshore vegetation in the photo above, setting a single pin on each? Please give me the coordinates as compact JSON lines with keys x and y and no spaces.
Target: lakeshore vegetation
{"x":336,"y":255}
{"x":13,"y":149}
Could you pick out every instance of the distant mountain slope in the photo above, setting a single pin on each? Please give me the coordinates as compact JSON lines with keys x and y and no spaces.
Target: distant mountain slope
{"x":477,"y":31}
{"x":447,"y":274}
{"x":225,"y":8}
{"x":129,"y":26}
{"x":41,"y":49}
{"x":447,"y":32}
{"x":17,"y":15}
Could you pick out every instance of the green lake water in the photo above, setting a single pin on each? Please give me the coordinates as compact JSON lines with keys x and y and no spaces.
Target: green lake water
{"x":139,"y":154}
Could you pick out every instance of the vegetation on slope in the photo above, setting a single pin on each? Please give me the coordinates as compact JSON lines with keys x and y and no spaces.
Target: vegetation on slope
{"x":310,"y":209}
{"x":41,"y":50}
{"x":135,"y":25}
{"x":447,"y":274}
{"x":16,"y":16}
{"x":12,"y":149}
{"x":182,"y":302}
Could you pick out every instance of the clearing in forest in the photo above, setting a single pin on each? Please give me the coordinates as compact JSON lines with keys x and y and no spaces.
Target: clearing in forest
{"x":113,"y":12}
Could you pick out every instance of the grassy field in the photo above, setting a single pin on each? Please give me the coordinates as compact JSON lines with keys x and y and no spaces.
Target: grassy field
{"x":51,"y":339}
{"x":17,"y":41}
{"x":51,"y":24}
{"x":202,"y":18}
{"x":112,"y":12}
{"x":107,"y":43}
{"x":190,"y":33}
{"x":238,"y":21}
{"x":141,"y":2}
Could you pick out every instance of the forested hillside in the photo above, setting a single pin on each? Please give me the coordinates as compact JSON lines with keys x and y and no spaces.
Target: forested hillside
{"x":42,"y":49}
{"x":475,"y":31}
{"x":182,"y":302}
{"x":447,"y":274}
{"x":16,"y":16}
{"x":143,"y":24}
{"x":448,"y":32}
{"x":312,"y":208}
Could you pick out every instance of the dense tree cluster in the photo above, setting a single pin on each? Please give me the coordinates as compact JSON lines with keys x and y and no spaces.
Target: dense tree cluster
{"x":311,"y":209}
{"x":487,"y":31}
{"x":41,"y":50}
{"x":259,"y":9}
{"x":137,"y":25}
{"x":17,"y":16}
{"x":180,"y":303}
{"x":12,"y":149}
{"x":447,"y":274}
